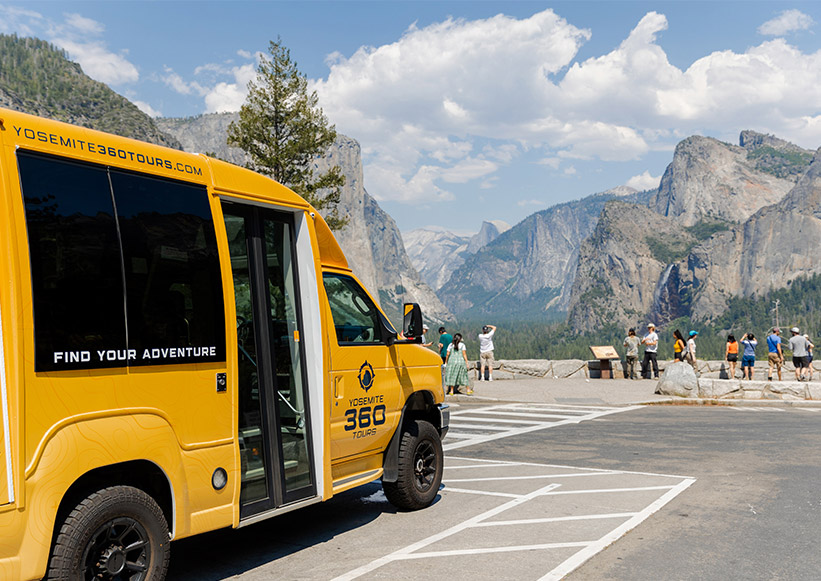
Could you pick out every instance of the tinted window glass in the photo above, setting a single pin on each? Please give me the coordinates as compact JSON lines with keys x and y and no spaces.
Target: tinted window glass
{"x":172,"y":272}
{"x":154,"y":238}
{"x":356,"y":318}
{"x":77,"y":280}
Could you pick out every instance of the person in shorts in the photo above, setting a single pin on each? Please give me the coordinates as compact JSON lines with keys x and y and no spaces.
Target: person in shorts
{"x":731,"y":355}
{"x":748,"y":358}
{"x":775,"y":356}
{"x":486,"y":352}
{"x":800,"y":349}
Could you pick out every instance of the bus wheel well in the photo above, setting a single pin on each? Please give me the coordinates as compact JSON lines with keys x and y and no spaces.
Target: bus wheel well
{"x":141,"y":474}
{"x":421,"y":406}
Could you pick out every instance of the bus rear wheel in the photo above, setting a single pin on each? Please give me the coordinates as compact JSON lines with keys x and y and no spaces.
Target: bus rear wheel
{"x":118,"y":533}
{"x":421,"y":461}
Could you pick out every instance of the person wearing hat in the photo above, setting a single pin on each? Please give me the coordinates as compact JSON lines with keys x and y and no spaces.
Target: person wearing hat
{"x":631,"y":354}
{"x":800,"y":349}
{"x":425,"y":342}
{"x":691,"y":350}
{"x":775,"y":355}
{"x":486,"y":352}
{"x":651,"y":347}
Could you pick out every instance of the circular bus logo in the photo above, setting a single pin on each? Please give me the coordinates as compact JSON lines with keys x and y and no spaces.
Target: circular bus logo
{"x":366,"y":376}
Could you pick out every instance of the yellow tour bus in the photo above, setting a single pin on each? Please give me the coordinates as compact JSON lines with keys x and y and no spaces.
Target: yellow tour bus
{"x":183,"y":347}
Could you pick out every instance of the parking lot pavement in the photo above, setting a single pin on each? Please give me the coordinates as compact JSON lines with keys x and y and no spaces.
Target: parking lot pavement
{"x":534,"y":521}
{"x":478,"y":425}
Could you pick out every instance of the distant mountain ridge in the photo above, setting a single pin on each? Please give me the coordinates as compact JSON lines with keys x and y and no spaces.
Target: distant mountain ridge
{"x":528,"y":271}
{"x":436,"y":253}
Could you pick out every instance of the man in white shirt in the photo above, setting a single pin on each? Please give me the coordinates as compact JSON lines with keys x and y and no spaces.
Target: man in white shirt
{"x":651,"y":347}
{"x":486,"y":351}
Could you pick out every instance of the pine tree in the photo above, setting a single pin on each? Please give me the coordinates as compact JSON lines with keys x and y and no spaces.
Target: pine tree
{"x":283,"y":130}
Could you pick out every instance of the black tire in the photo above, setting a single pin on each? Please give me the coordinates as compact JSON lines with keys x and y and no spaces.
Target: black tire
{"x":421,"y":461}
{"x":118,"y":533}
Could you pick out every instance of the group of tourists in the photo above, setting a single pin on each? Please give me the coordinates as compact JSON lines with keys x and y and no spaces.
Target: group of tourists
{"x":685,"y":350}
{"x":455,"y":360}
{"x":799,"y":344}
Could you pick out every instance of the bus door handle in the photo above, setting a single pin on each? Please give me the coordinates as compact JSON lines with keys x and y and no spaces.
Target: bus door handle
{"x":337,"y":386}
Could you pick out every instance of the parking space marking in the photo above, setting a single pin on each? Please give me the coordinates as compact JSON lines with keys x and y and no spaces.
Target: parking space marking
{"x":501,"y":536}
{"x":521,"y":418}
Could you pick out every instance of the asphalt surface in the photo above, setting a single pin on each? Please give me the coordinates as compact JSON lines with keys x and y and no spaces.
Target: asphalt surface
{"x":744,"y":501}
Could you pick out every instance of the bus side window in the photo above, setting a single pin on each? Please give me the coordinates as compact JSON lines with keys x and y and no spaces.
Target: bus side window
{"x":356,"y":318}
{"x":92,"y":228}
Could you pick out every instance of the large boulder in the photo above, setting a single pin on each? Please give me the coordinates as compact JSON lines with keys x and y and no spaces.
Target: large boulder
{"x":679,"y":379}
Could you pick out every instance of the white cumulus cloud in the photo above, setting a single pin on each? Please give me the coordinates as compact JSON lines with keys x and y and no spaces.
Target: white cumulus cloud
{"x":643,"y":181}
{"x":786,"y":22}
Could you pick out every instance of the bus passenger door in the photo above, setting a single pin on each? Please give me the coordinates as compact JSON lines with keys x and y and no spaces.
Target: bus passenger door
{"x":274,"y":419}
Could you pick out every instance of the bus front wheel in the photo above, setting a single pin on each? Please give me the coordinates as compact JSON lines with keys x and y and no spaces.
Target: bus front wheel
{"x":421,"y":461}
{"x":115,"y":533}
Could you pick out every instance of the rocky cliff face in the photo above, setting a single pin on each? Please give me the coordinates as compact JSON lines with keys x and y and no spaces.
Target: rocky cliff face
{"x":621,"y":275}
{"x":711,"y":179}
{"x":709,"y":238}
{"x":437,"y":253}
{"x":371,"y":240}
{"x":771,"y":249}
{"x":528,"y":271}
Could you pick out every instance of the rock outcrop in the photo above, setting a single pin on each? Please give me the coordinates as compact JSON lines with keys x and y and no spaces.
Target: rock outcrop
{"x":711,"y":179}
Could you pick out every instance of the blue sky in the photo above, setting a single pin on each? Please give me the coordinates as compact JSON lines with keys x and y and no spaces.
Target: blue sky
{"x":471,"y":111}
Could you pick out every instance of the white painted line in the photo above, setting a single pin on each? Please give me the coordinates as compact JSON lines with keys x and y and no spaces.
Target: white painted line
{"x":583,"y":555}
{"x":522,"y":414}
{"x":525,"y":430}
{"x":456,"y":552}
{"x":580,"y":411}
{"x":565,"y":467}
{"x":569,"y":406}
{"x":480,"y":492}
{"x":532,"y":477}
{"x":461,"y":426}
{"x":608,"y":490}
{"x":400,"y":554}
{"x":529,"y":521}
{"x":459,"y":436}
{"x":502,"y":465}
{"x":501,"y":420}
{"x":808,"y":409}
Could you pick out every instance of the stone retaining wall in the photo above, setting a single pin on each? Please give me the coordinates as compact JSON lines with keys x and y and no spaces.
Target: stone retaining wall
{"x":680,"y":380}
{"x":712,"y":381}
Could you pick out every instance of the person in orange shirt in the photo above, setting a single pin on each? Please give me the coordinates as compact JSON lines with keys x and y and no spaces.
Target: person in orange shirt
{"x":731,"y":355}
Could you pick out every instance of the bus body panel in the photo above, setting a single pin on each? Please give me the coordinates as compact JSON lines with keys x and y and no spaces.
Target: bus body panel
{"x":62,"y":426}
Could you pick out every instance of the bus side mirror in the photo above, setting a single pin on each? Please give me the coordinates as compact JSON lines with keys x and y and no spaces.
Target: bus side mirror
{"x":412,"y":322}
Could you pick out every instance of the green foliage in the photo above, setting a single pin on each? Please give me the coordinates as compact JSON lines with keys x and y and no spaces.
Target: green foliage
{"x":779,"y":162}
{"x":283,"y":130}
{"x":38,"y":78}
{"x":706,"y":228}
{"x":669,"y":248}
{"x":672,"y":248}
